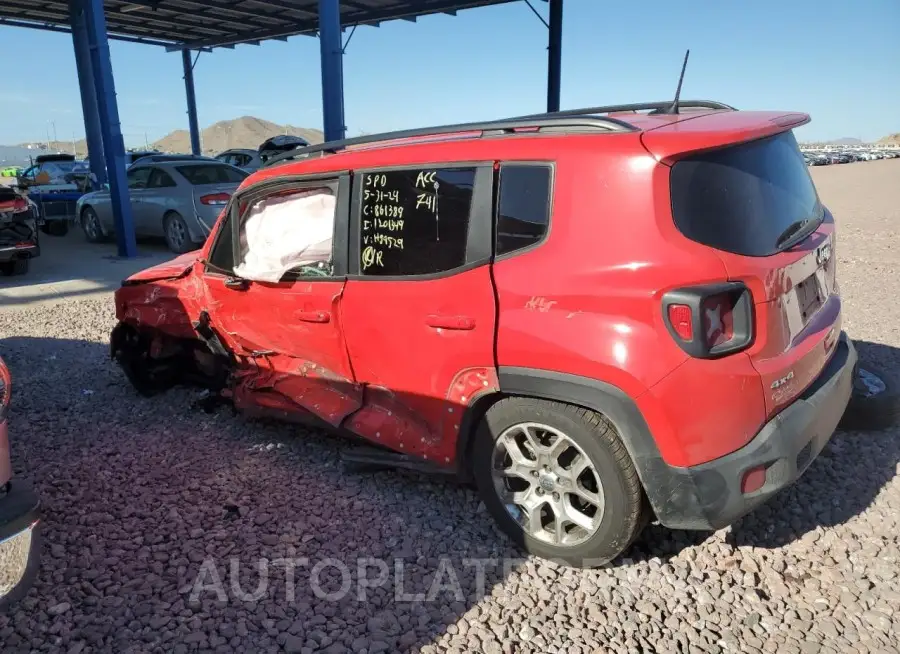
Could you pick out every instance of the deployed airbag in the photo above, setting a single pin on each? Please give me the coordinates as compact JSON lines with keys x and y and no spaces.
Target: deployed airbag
{"x":283,"y":232}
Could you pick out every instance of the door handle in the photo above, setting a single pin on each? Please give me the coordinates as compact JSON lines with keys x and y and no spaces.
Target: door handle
{"x":313,"y":316}
{"x":237,"y":283}
{"x":450,"y":322}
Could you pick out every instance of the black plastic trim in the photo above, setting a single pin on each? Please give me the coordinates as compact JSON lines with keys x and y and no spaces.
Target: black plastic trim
{"x":560,"y":122}
{"x":693,"y":297}
{"x":635,"y":107}
{"x":598,"y":396}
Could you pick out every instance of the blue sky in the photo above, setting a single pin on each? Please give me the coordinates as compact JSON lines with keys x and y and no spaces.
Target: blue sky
{"x":838,"y":61}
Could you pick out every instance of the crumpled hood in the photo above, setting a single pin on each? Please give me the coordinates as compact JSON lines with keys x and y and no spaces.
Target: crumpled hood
{"x":177,"y":267}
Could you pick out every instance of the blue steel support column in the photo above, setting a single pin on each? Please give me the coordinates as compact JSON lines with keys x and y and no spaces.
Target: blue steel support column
{"x":111,"y":129}
{"x":554,"y":55}
{"x":332,"y":68}
{"x":191,"y":100}
{"x":88,"y":94}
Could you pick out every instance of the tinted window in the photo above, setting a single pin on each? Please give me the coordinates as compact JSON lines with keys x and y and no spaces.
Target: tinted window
{"x":414,"y":222}
{"x":523,"y":211}
{"x":138,"y":177}
{"x":743,"y":198}
{"x":211,"y":174}
{"x":160,"y":179}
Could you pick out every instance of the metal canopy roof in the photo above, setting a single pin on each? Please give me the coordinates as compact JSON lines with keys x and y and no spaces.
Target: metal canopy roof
{"x":221,"y":23}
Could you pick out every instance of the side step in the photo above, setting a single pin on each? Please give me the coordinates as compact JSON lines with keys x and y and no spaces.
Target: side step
{"x":371,"y":459}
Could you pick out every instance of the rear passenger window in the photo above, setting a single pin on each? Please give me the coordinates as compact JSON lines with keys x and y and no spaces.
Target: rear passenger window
{"x":523,"y":210}
{"x":415,"y":221}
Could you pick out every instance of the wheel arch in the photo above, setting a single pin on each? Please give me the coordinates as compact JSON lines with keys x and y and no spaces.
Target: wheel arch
{"x":606,"y":399}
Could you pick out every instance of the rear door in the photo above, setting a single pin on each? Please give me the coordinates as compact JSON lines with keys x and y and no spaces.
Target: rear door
{"x":756,"y":204}
{"x":158,"y":199}
{"x":279,"y":308}
{"x":419,"y":309}
{"x":137,"y":179}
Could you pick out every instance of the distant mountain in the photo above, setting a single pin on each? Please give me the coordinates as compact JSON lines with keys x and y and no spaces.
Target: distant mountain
{"x":14,"y":155}
{"x":846,"y":141}
{"x":243,"y":132}
{"x":891,"y":139}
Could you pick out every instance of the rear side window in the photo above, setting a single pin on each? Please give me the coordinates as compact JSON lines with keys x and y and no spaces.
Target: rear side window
{"x":745,"y":198}
{"x":523,"y":210}
{"x":415,"y":221}
{"x":211,"y":174}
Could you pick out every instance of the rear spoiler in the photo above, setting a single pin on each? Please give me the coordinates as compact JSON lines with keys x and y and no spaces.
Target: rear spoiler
{"x":710,"y":131}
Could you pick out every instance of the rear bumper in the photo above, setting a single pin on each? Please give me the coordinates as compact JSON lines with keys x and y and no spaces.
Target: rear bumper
{"x":8,"y":254}
{"x":709,"y":496}
{"x":19,"y":541}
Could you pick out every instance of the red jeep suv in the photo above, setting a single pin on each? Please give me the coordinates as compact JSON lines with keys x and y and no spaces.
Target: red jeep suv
{"x":601,"y":316}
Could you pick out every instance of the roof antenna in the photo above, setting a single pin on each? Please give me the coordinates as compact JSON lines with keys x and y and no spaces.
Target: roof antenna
{"x":673,"y":108}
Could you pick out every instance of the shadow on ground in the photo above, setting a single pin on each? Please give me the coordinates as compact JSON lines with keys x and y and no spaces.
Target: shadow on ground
{"x":147,"y":498}
{"x":69,"y":266}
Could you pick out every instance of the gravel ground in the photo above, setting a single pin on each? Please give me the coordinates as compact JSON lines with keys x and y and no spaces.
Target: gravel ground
{"x":146,"y":497}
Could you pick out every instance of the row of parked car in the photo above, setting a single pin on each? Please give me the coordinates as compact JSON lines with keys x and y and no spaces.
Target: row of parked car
{"x":174,"y":196}
{"x":826,"y":157}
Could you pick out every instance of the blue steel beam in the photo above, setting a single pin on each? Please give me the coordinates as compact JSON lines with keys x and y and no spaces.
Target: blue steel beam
{"x":331,"y":48}
{"x":111,"y":129}
{"x":52,"y":27}
{"x":88,"y":97}
{"x":191,"y":100}
{"x":554,"y":55}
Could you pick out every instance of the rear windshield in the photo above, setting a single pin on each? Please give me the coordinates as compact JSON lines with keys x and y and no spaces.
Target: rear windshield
{"x":212,"y":174}
{"x":745,"y":198}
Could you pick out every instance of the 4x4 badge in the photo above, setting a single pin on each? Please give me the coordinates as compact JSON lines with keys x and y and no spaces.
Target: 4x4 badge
{"x":823,"y":254}
{"x":784,"y":380}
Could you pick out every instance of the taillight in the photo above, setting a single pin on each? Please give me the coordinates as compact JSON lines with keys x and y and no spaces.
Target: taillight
{"x":682,"y":321}
{"x":710,"y":321}
{"x":5,"y":388}
{"x":215,"y":199}
{"x":17,"y":205}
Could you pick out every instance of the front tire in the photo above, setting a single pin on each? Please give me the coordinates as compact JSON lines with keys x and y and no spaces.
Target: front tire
{"x":90,"y":225}
{"x":558,"y":481}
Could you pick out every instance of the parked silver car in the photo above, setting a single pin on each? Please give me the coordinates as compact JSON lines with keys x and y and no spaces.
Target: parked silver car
{"x":245,"y":159}
{"x":178,"y":198}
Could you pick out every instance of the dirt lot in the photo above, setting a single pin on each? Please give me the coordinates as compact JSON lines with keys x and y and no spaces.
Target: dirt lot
{"x":146,"y":497}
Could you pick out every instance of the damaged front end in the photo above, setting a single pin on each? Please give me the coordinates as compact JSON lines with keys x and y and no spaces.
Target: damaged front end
{"x":164,"y":336}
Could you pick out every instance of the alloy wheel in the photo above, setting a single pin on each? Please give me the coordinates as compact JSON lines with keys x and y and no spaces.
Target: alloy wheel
{"x":547,"y":484}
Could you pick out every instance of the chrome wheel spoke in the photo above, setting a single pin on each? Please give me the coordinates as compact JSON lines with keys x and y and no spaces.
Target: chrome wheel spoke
{"x":578,"y":518}
{"x":547,"y":484}
{"x":521,"y":465}
{"x":556,"y":450}
{"x":533,"y":516}
{"x":590,"y":497}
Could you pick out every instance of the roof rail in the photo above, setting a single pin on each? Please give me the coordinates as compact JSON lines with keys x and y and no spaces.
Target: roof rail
{"x":561,"y":122}
{"x":652,"y":107}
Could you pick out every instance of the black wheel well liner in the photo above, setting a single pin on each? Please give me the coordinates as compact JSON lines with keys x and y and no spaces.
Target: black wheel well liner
{"x":610,"y":401}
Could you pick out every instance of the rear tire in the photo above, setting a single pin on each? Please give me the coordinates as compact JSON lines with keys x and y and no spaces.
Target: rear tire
{"x":178,"y":238}
{"x":584,"y":518}
{"x":875,"y":402}
{"x":57,"y":227}
{"x":17,"y":267}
